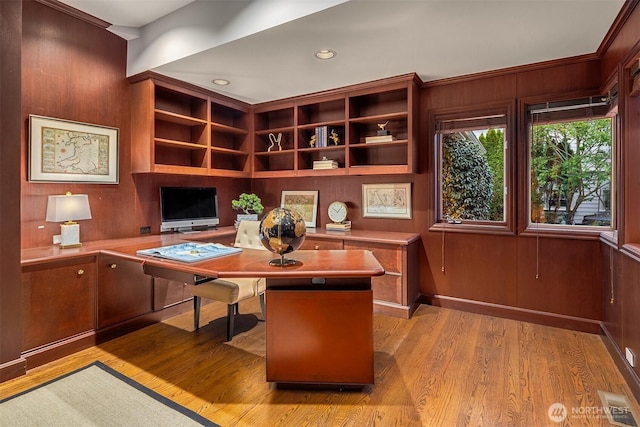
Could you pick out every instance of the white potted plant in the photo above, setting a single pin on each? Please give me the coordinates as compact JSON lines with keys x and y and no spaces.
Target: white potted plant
{"x":249,"y":207}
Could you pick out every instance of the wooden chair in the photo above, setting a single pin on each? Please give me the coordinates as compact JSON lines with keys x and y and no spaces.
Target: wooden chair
{"x":231,"y":291}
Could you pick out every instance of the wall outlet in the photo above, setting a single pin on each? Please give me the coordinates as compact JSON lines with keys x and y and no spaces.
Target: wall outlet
{"x":145,"y":230}
{"x":57,"y":239}
{"x":631,"y":358}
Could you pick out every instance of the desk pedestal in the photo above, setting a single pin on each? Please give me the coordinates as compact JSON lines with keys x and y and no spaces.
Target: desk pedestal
{"x":320,"y":334}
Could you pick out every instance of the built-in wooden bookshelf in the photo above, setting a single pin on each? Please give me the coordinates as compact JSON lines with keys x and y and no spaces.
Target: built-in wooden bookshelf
{"x":179,"y":130}
{"x":271,"y":124}
{"x":350,"y":115}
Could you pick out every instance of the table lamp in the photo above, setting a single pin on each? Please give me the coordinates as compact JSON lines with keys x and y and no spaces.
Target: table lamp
{"x":67,"y":209}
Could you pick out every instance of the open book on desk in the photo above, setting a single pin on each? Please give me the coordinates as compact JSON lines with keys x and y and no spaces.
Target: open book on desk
{"x":190,"y":252}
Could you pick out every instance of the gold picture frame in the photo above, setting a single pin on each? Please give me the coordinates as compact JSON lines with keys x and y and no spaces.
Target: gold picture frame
{"x":304,"y":202}
{"x":66,"y":151}
{"x":386,"y":200}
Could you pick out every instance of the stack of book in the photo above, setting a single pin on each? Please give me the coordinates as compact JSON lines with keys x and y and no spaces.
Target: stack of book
{"x":324,"y":164}
{"x":378,"y":138}
{"x":322,"y":136}
{"x":338,"y":226}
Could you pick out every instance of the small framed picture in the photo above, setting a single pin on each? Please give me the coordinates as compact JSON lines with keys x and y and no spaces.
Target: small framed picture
{"x":304,"y":202}
{"x":386,"y":200}
{"x":66,"y":151}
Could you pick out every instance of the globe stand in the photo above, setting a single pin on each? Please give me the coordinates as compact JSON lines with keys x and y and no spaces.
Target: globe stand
{"x":282,"y":261}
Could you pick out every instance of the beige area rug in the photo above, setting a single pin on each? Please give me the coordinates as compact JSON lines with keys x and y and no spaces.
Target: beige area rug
{"x":95,"y":395}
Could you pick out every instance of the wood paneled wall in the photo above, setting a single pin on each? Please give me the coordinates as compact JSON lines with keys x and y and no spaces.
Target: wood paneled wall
{"x":75,"y":70}
{"x":10,"y":292}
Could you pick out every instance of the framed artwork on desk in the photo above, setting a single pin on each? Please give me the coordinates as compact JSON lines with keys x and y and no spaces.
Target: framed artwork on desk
{"x":304,"y":202}
{"x":67,"y":151}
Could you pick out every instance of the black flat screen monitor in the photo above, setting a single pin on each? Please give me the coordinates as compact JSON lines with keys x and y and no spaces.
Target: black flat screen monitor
{"x":188,"y":208}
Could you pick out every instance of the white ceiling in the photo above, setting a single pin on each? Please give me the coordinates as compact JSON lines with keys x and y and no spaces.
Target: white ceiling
{"x":265,"y":48}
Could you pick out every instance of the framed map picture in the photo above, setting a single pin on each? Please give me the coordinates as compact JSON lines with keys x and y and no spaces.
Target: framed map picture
{"x":386,"y":200}
{"x":66,"y":151}
{"x":304,"y":202}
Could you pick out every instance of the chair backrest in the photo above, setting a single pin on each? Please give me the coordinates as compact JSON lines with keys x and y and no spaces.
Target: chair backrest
{"x":248,"y":235}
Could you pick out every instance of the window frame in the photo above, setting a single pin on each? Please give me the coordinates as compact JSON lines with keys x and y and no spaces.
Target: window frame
{"x":526,"y":226}
{"x":506,"y":109}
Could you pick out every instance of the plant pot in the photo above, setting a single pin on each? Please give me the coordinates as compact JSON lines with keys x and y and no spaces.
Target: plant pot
{"x":245,"y":217}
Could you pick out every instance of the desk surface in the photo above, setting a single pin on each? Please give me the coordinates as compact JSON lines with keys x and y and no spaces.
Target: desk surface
{"x":255,"y":263}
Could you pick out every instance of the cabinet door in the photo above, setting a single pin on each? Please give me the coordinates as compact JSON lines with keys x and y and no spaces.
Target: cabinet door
{"x":168,"y":292}
{"x":319,"y":336}
{"x":58,"y":301}
{"x":389,"y":287}
{"x":124,"y":291}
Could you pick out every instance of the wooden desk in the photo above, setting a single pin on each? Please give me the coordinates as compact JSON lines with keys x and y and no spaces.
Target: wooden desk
{"x":319,"y":312}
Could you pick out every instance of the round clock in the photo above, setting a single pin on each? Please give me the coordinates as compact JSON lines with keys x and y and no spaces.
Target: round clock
{"x":337,"y":211}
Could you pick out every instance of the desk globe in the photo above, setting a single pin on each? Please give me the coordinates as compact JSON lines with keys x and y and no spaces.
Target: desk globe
{"x":282,"y":231}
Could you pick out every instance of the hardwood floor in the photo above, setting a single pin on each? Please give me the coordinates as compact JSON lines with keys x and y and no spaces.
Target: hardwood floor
{"x":440,"y":368}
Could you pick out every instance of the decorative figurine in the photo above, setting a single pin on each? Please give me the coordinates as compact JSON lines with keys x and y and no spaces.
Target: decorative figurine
{"x":382,"y":130}
{"x":334,"y":137}
{"x":312,"y":141}
{"x":275,"y":140}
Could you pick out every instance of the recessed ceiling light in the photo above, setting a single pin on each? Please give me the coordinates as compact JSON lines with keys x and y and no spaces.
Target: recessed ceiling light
{"x":220,"y":82}
{"x":325,"y":54}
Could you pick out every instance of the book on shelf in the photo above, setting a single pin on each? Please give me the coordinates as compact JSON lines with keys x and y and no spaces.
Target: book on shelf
{"x":378,"y":138}
{"x":324,"y":136}
{"x":338,"y":226}
{"x":325,"y":164}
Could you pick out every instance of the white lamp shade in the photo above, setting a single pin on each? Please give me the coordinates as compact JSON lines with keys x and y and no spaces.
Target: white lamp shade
{"x":68,"y":207}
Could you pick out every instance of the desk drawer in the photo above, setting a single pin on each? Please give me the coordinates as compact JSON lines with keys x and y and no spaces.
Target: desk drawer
{"x":389,"y":256}
{"x":320,"y":244}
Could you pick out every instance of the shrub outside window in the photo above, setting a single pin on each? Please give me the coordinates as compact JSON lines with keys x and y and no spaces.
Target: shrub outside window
{"x":472,"y":170}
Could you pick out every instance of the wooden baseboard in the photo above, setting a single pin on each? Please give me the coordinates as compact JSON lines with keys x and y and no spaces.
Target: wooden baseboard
{"x":56,"y":350}
{"x":13,"y":369}
{"x":515,"y":313}
{"x":629,"y":374}
{"x":394,"y":310}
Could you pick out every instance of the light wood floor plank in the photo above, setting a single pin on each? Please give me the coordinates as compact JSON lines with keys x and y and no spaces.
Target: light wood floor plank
{"x":439,"y":368}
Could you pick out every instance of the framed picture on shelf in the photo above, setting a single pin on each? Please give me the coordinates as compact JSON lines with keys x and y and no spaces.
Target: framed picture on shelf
{"x":67,"y":151}
{"x":386,"y":200}
{"x":304,"y":202}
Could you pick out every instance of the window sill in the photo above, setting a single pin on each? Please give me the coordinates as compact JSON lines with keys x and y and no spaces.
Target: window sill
{"x":576,"y":232}
{"x":632,"y":250}
{"x":501,"y":229}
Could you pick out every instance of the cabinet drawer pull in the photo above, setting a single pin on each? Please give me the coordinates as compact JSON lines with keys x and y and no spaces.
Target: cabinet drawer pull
{"x":80,"y":272}
{"x":316,"y":247}
{"x":113,"y":265}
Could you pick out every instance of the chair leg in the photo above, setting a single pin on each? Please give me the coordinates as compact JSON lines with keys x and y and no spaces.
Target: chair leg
{"x":232,"y":309}
{"x":196,"y":312}
{"x":262,"y":307}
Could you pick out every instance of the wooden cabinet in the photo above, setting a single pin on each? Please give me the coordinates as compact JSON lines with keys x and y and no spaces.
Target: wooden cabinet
{"x":180,"y":130}
{"x":168,"y":292}
{"x":58,"y":301}
{"x":396,"y":293}
{"x":124,"y":291}
{"x":319,"y":336}
{"x":335,"y":125}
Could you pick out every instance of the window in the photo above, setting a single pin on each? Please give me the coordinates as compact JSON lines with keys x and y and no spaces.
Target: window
{"x":571,"y":168}
{"x":471,"y":169}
